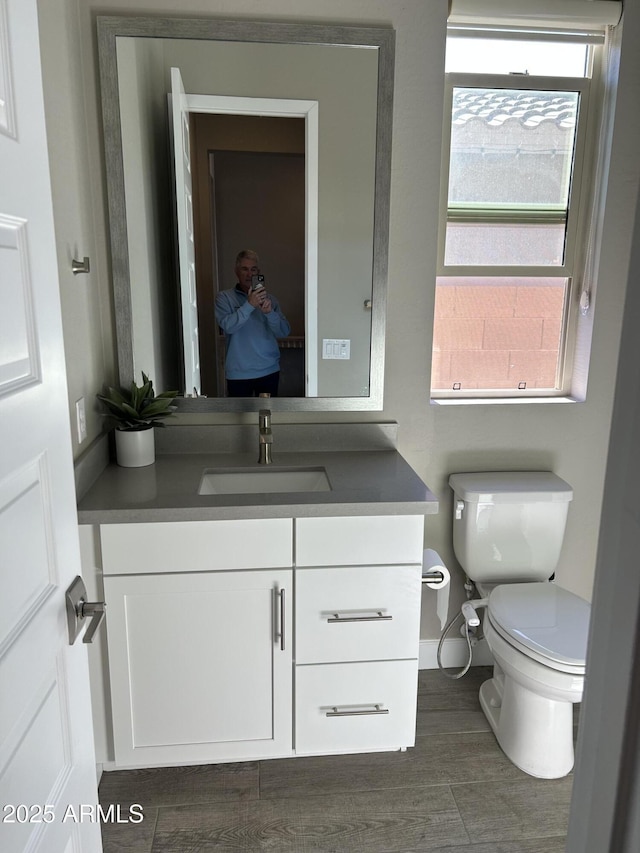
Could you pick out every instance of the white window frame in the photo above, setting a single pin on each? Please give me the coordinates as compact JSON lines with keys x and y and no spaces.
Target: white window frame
{"x":579,"y":211}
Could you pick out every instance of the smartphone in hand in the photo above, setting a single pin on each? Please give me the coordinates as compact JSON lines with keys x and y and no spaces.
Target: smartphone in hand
{"x":257,"y":283}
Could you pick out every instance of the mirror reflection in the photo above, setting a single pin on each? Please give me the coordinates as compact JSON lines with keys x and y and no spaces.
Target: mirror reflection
{"x":247,"y":175}
{"x":293,"y":166}
{"x":253,"y":323}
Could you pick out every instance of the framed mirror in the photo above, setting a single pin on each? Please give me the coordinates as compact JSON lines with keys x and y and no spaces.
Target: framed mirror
{"x":323,"y":248}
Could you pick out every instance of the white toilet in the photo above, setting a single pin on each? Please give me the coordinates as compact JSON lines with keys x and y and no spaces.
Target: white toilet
{"x":507,"y":535}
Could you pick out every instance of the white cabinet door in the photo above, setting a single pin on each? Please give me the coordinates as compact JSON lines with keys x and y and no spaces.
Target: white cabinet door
{"x":200,"y":666}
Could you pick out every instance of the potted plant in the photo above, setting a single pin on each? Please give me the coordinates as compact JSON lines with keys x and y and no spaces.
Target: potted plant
{"x":135,"y":412}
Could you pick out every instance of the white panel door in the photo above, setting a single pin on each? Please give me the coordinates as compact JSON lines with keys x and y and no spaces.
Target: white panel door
{"x":186,"y":243}
{"x":47,"y":763}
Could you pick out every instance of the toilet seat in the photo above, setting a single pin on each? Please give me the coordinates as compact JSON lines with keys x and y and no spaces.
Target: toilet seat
{"x":543,"y":621}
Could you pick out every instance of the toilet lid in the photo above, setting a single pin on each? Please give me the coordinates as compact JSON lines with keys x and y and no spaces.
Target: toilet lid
{"x":547,"y":621}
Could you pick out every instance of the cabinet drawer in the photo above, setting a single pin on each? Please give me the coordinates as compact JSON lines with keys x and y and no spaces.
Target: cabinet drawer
{"x":357,"y":613}
{"x":196,"y":546}
{"x":356,"y":707}
{"x":360,"y":540}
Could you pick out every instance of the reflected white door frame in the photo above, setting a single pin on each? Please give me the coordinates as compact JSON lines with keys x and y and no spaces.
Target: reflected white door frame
{"x":179,"y":112}
{"x":288,"y":108}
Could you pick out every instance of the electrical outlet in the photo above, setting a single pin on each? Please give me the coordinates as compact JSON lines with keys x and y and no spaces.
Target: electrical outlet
{"x":81,"y":420}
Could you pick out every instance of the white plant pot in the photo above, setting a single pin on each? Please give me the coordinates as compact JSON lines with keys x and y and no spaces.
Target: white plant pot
{"x":135,"y":448}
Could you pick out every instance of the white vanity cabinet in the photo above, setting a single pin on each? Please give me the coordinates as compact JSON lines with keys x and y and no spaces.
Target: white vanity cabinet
{"x":203,"y":654}
{"x":358,"y":583}
{"x":199,"y":632}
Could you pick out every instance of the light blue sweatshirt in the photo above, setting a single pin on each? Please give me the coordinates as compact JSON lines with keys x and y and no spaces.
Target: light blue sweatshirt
{"x":250,"y":335}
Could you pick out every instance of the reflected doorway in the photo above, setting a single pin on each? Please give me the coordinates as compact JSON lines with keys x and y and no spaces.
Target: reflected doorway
{"x":249,"y":192}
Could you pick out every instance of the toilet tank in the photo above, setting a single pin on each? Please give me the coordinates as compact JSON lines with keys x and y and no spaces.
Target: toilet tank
{"x":508,"y":526}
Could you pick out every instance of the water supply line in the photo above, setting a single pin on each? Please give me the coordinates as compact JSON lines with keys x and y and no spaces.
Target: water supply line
{"x":471,"y":620}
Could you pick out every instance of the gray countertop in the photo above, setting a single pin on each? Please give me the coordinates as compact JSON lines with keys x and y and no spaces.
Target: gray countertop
{"x":367,"y":482}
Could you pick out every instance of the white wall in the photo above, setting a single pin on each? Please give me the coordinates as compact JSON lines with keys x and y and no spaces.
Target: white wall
{"x":79,"y":208}
{"x":570,"y":439}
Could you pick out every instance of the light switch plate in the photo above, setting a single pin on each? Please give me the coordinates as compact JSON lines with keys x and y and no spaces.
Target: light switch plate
{"x":336,"y":348}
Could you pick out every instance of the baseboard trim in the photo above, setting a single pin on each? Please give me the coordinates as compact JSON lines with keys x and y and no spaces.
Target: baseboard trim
{"x":455,"y":653}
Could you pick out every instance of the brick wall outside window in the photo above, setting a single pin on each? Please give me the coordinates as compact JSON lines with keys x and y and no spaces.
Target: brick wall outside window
{"x":497,"y":335}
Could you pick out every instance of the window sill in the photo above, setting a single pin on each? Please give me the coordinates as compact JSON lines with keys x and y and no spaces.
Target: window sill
{"x":499,"y":401}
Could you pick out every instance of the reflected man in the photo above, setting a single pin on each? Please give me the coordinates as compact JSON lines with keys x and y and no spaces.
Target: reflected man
{"x":252,"y":322}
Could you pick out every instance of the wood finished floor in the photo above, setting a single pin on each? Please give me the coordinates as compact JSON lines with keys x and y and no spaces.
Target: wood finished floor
{"x":454,"y":791}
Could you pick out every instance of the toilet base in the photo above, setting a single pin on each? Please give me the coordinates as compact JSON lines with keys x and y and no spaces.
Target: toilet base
{"x":534,"y":732}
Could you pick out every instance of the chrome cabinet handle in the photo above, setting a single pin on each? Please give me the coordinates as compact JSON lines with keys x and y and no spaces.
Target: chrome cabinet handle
{"x":374,"y":711}
{"x":379,"y":617}
{"x":282,"y":618}
{"x":79,"y":610}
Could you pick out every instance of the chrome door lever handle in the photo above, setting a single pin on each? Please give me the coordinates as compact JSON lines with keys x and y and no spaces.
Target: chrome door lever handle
{"x":79,"y":610}
{"x":95,"y":610}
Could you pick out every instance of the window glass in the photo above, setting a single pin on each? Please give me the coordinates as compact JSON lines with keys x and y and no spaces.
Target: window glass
{"x":497,"y":333}
{"x":511,"y":146}
{"x":513,"y":219}
{"x":511,"y":153}
{"x":499,"y":56}
{"x":471,"y":244}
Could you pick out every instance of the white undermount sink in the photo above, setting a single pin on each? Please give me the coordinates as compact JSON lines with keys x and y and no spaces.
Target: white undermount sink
{"x":252,"y":481}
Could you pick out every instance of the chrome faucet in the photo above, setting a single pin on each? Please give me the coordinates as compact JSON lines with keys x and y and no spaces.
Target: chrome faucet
{"x":265,"y":437}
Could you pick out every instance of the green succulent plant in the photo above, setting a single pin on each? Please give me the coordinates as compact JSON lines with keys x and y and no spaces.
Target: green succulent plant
{"x":138,"y":407}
